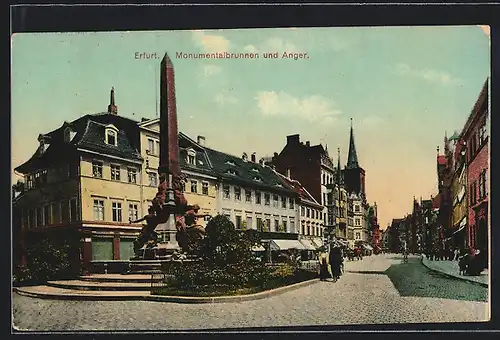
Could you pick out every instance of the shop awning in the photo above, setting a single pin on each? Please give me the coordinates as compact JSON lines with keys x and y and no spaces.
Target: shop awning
{"x":258,"y":248}
{"x":308,"y":244}
{"x":462,"y":225}
{"x":286,"y":244}
{"x":367,"y":246}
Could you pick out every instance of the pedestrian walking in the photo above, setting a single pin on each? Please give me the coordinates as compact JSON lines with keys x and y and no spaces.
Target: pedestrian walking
{"x":335,"y":261}
{"x":324,"y":273}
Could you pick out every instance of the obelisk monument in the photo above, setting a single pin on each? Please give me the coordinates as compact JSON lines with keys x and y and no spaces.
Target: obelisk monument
{"x":169,"y":149}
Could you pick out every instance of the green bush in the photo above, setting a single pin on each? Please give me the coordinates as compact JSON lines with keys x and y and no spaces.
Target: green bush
{"x":46,"y":260}
{"x":225,"y":259}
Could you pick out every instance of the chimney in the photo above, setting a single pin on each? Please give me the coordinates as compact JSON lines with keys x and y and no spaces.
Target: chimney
{"x":244,"y":157}
{"x":253,"y":157}
{"x":112,"y":108}
{"x":288,"y":173}
{"x":293,"y":139}
{"x":201,"y":140}
{"x":308,"y":143}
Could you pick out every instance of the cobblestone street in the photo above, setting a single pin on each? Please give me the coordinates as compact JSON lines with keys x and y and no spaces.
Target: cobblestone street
{"x":379,"y":289}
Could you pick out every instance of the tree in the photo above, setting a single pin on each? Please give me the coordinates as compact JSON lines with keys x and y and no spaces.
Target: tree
{"x":225,"y":258}
{"x":18,"y":187}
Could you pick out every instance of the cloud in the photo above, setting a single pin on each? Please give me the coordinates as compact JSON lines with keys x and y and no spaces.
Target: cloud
{"x":210,"y":70}
{"x":211,"y":42}
{"x":312,"y":108}
{"x":223,"y":98}
{"x":432,"y":76}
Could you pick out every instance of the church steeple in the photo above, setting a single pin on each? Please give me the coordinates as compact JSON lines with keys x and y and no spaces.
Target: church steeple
{"x":352,"y":158}
{"x":112,"y":108}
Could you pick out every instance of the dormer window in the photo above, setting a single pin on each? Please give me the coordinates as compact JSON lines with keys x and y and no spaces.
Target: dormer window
{"x":279,"y":185}
{"x":111,"y":135}
{"x":257,"y":179}
{"x":230,"y":163}
{"x":255,"y":169}
{"x":191,"y":157}
{"x":231,"y":172}
{"x":68,"y":135}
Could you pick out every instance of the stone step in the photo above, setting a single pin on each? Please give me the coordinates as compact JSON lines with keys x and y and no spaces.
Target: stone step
{"x":127,"y":278}
{"x":102,"y":286}
{"x":49,"y":292}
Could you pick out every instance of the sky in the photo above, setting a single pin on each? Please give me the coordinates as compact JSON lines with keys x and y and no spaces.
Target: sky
{"x":404,"y":87}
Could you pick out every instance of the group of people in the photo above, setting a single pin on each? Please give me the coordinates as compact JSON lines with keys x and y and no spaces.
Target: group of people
{"x":470,"y":261}
{"x":331,"y":263}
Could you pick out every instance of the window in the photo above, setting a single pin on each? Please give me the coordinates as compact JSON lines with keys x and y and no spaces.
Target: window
{"x":151,"y":147}
{"x":248,"y":195}
{"x":482,"y":134}
{"x":97,"y":169}
{"x":324,"y":199}
{"x":194,"y":186}
{"x":226,"y":191}
{"x":191,"y":160}
{"x":258,"y":197}
{"x":283,"y":202}
{"x":73,"y":213}
{"x":237,"y":193}
{"x":132,"y":175}
{"x":111,"y":137}
{"x":317,"y":231}
{"x":65,"y":211}
{"x":47,"y":219}
{"x":358,"y":236}
{"x":183,"y":186}
{"x":56,"y":212}
{"x":308,"y":212}
{"x":238,"y":222}
{"x":356,"y":208}
{"x":257,"y":179}
{"x":267,"y":199}
{"x":260,"y":226}
{"x":268,"y":224}
{"x":43,"y":176}
{"x":303,"y":229}
{"x":276,"y":225}
{"x":204,"y":188}
{"x":249,"y":222}
{"x":98,"y":210}
{"x":117,"y":211}
{"x":357,"y":222}
{"x":29,"y":181}
{"x":292,"y":226}
{"x":67,"y":135}
{"x":153,"y":179}
{"x":133,"y":211}
{"x":115,"y":172}
{"x":473,"y":193}
{"x":39,"y":220}
{"x":37,"y":179}
{"x":473,"y":147}
{"x":308,"y":230}
{"x":275,"y":201}
{"x":482,"y":185}
{"x":302,"y":211}
{"x":291,"y":203}
{"x":284,"y":226}
{"x":324,"y":179}
{"x":231,"y":172}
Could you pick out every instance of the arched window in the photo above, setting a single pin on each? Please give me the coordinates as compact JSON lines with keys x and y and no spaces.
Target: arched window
{"x":111,"y":136}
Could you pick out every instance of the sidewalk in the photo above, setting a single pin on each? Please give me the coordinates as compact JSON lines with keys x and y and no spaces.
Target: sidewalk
{"x":450,"y":268}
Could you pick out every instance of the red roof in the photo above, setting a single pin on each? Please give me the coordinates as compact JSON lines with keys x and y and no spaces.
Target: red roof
{"x":441,"y":160}
{"x":295,"y":185}
{"x":436,"y":201}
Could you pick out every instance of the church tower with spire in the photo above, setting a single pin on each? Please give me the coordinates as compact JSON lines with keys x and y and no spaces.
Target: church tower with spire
{"x":354,"y":175}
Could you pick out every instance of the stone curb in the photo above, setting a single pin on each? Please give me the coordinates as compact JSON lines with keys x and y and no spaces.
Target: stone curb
{"x":164,"y":298}
{"x":453,"y":275}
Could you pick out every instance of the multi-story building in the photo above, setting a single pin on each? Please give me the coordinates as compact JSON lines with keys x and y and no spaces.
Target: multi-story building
{"x":200,"y":182}
{"x":476,"y":135}
{"x":309,"y":214}
{"x":395,"y":235}
{"x":458,"y":192}
{"x":313,"y":168}
{"x":252,"y":194}
{"x":338,"y":194}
